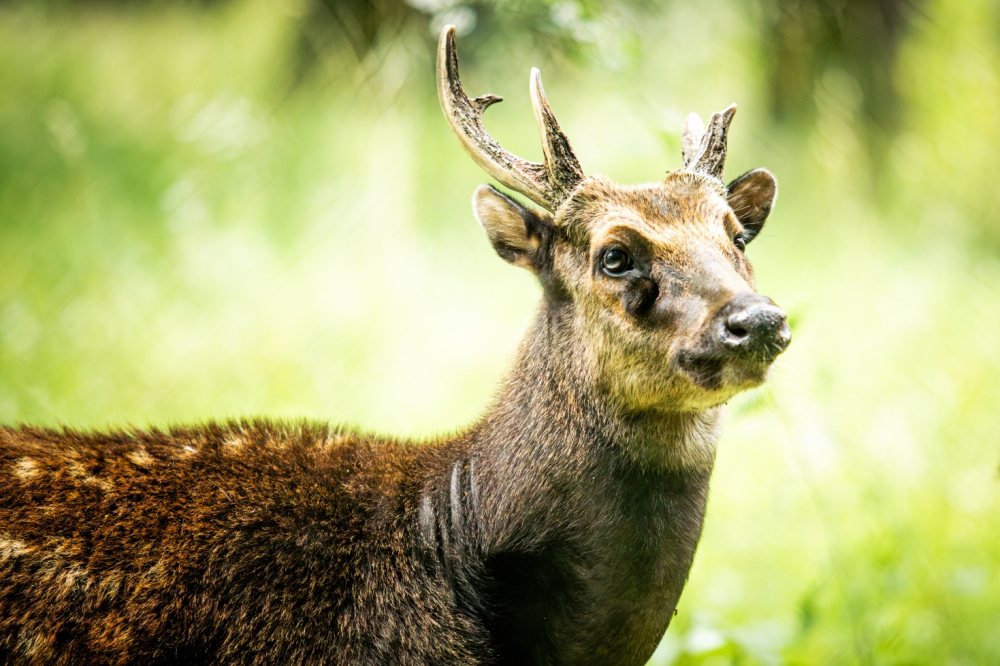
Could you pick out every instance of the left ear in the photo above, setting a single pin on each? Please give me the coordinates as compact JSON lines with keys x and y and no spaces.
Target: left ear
{"x":751,"y":196}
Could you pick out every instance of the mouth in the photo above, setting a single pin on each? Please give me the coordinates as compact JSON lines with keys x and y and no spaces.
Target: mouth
{"x":714,"y":370}
{"x":704,"y":369}
{"x":737,"y":349}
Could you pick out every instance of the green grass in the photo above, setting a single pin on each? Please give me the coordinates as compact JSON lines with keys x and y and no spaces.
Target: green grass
{"x":184,"y":235}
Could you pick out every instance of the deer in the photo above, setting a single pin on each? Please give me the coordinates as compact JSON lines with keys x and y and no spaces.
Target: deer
{"x":560,"y":528}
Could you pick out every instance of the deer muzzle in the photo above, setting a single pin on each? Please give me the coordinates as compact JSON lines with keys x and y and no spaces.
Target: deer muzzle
{"x":752,"y":326}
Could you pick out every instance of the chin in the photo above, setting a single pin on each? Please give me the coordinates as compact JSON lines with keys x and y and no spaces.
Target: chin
{"x":712,"y":372}
{"x":704,"y":390}
{"x":742,"y":376}
{"x":689,"y":387}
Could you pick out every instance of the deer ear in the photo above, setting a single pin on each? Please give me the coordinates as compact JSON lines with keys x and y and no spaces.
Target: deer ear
{"x":516,"y":232}
{"x":751,"y":196}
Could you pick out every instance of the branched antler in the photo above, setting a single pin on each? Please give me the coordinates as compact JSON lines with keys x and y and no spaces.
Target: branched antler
{"x":546,"y":183}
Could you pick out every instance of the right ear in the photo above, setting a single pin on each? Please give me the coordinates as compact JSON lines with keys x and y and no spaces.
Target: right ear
{"x":518,"y":234}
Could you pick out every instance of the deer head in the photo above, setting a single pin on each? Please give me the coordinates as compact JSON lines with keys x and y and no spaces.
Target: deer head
{"x":664,"y":311}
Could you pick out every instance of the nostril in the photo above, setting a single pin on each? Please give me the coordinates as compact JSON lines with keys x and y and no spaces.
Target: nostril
{"x":736,"y":329}
{"x":758,"y":329}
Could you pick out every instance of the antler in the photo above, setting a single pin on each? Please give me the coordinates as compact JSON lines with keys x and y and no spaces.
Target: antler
{"x":704,"y":151}
{"x":546,"y":183}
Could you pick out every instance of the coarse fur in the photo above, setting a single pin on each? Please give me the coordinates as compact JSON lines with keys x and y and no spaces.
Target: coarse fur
{"x":559,"y":529}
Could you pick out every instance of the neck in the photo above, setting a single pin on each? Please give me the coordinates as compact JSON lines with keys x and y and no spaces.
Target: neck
{"x":577,"y":513}
{"x":551,"y":400}
{"x":552,"y":430}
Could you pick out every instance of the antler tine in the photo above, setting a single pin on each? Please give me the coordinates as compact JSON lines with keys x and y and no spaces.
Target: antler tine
{"x":562,"y":167}
{"x":548,"y":183}
{"x":711,"y":153}
{"x":691,"y":135}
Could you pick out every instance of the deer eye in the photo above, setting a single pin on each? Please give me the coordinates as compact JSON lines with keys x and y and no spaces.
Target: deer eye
{"x":740,"y":242}
{"x":616,"y":262}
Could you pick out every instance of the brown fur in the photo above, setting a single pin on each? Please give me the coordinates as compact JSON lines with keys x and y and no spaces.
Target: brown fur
{"x":559,"y":529}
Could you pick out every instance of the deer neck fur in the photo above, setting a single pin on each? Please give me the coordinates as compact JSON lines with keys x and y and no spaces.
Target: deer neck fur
{"x":552,"y":421}
{"x":557,"y":490}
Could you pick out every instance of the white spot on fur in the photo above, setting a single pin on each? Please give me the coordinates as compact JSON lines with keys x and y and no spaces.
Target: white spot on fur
{"x":30,"y":642}
{"x":109,"y":585}
{"x":235,"y":441}
{"x":333,"y":439}
{"x":25,"y":469}
{"x":79,"y":472}
{"x":11,"y":548}
{"x":155,"y":572}
{"x":69,"y":578}
{"x":103,"y":484}
{"x":141,"y":458}
{"x":190,"y":449}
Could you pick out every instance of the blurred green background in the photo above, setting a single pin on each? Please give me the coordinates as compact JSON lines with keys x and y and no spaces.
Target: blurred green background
{"x":249,"y":207}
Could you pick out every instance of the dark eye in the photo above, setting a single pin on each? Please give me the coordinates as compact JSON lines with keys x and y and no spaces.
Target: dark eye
{"x":616,"y":261}
{"x":740,"y":242}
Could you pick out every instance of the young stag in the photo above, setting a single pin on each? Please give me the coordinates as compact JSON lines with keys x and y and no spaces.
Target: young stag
{"x":559,"y":529}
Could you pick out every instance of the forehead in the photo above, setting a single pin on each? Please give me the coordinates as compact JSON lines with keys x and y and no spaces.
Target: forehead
{"x":683,"y":199}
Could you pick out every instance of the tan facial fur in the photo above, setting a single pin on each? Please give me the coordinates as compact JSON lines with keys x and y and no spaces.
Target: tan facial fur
{"x":682,"y":231}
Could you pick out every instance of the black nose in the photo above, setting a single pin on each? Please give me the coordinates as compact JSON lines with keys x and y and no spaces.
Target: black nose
{"x":756,"y":327}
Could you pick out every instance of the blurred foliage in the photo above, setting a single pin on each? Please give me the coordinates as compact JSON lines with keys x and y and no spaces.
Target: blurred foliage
{"x":804,"y":38}
{"x":861,"y":37}
{"x":226,"y":208}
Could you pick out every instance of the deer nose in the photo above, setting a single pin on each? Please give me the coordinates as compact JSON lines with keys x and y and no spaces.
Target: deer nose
{"x":756,"y":327}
